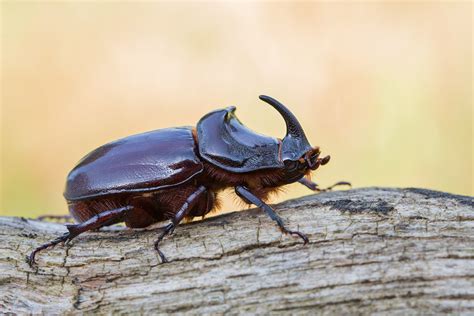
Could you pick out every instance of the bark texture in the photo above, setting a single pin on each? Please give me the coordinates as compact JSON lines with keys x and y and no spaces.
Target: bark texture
{"x":373,"y":250}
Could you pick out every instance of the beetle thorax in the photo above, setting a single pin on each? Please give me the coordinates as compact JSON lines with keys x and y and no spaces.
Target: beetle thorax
{"x":217,"y":178}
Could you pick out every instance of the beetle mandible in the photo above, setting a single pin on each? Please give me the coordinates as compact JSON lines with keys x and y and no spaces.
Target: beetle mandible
{"x":177,"y":173}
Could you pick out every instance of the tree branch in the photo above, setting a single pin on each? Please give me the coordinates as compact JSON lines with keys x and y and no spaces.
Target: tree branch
{"x":371,"y":250}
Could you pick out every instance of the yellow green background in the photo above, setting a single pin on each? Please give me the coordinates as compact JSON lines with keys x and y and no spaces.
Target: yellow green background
{"x":384,"y":88}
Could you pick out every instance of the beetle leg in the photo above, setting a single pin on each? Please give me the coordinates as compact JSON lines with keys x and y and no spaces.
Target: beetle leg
{"x":309,"y":184}
{"x":248,"y":196}
{"x":178,"y":217}
{"x":314,"y":186}
{"x":103,"y":219}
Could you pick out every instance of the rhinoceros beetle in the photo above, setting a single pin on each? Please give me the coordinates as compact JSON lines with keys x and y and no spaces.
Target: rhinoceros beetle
{"x":177,"y":173}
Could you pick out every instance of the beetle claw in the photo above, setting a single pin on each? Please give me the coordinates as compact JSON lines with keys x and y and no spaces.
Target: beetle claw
{"x":337,"y":184}
{"x":162,"y":256}
{"x":169,"y":229}
{"x":295,"y":233}
{"x":343,"y":183}
{"x":31,"y":260}
{"x":301,"y":235}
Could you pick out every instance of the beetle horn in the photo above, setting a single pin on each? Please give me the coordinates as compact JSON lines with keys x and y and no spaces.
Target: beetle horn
{"x":293,"y":127}
{"x":294,"y":144}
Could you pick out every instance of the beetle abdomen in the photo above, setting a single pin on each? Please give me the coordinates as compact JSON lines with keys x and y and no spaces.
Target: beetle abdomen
{"x":81,"y":211}
{"x":147,"y":208}
{"x":139,"y":163}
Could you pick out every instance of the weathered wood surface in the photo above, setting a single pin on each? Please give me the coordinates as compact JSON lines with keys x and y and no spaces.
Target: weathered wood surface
{"x":375,"y":250}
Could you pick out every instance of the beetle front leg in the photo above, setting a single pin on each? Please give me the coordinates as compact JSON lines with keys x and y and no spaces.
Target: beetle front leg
{"x":314,"y":186}
{"x":249,"y":197}
{"x":182,"y":212}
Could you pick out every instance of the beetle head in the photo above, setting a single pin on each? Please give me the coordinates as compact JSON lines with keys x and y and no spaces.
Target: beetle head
{"x":296,"y":152}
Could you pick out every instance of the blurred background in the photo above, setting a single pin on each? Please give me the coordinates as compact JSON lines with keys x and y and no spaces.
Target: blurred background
{"x":384,"y":88}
